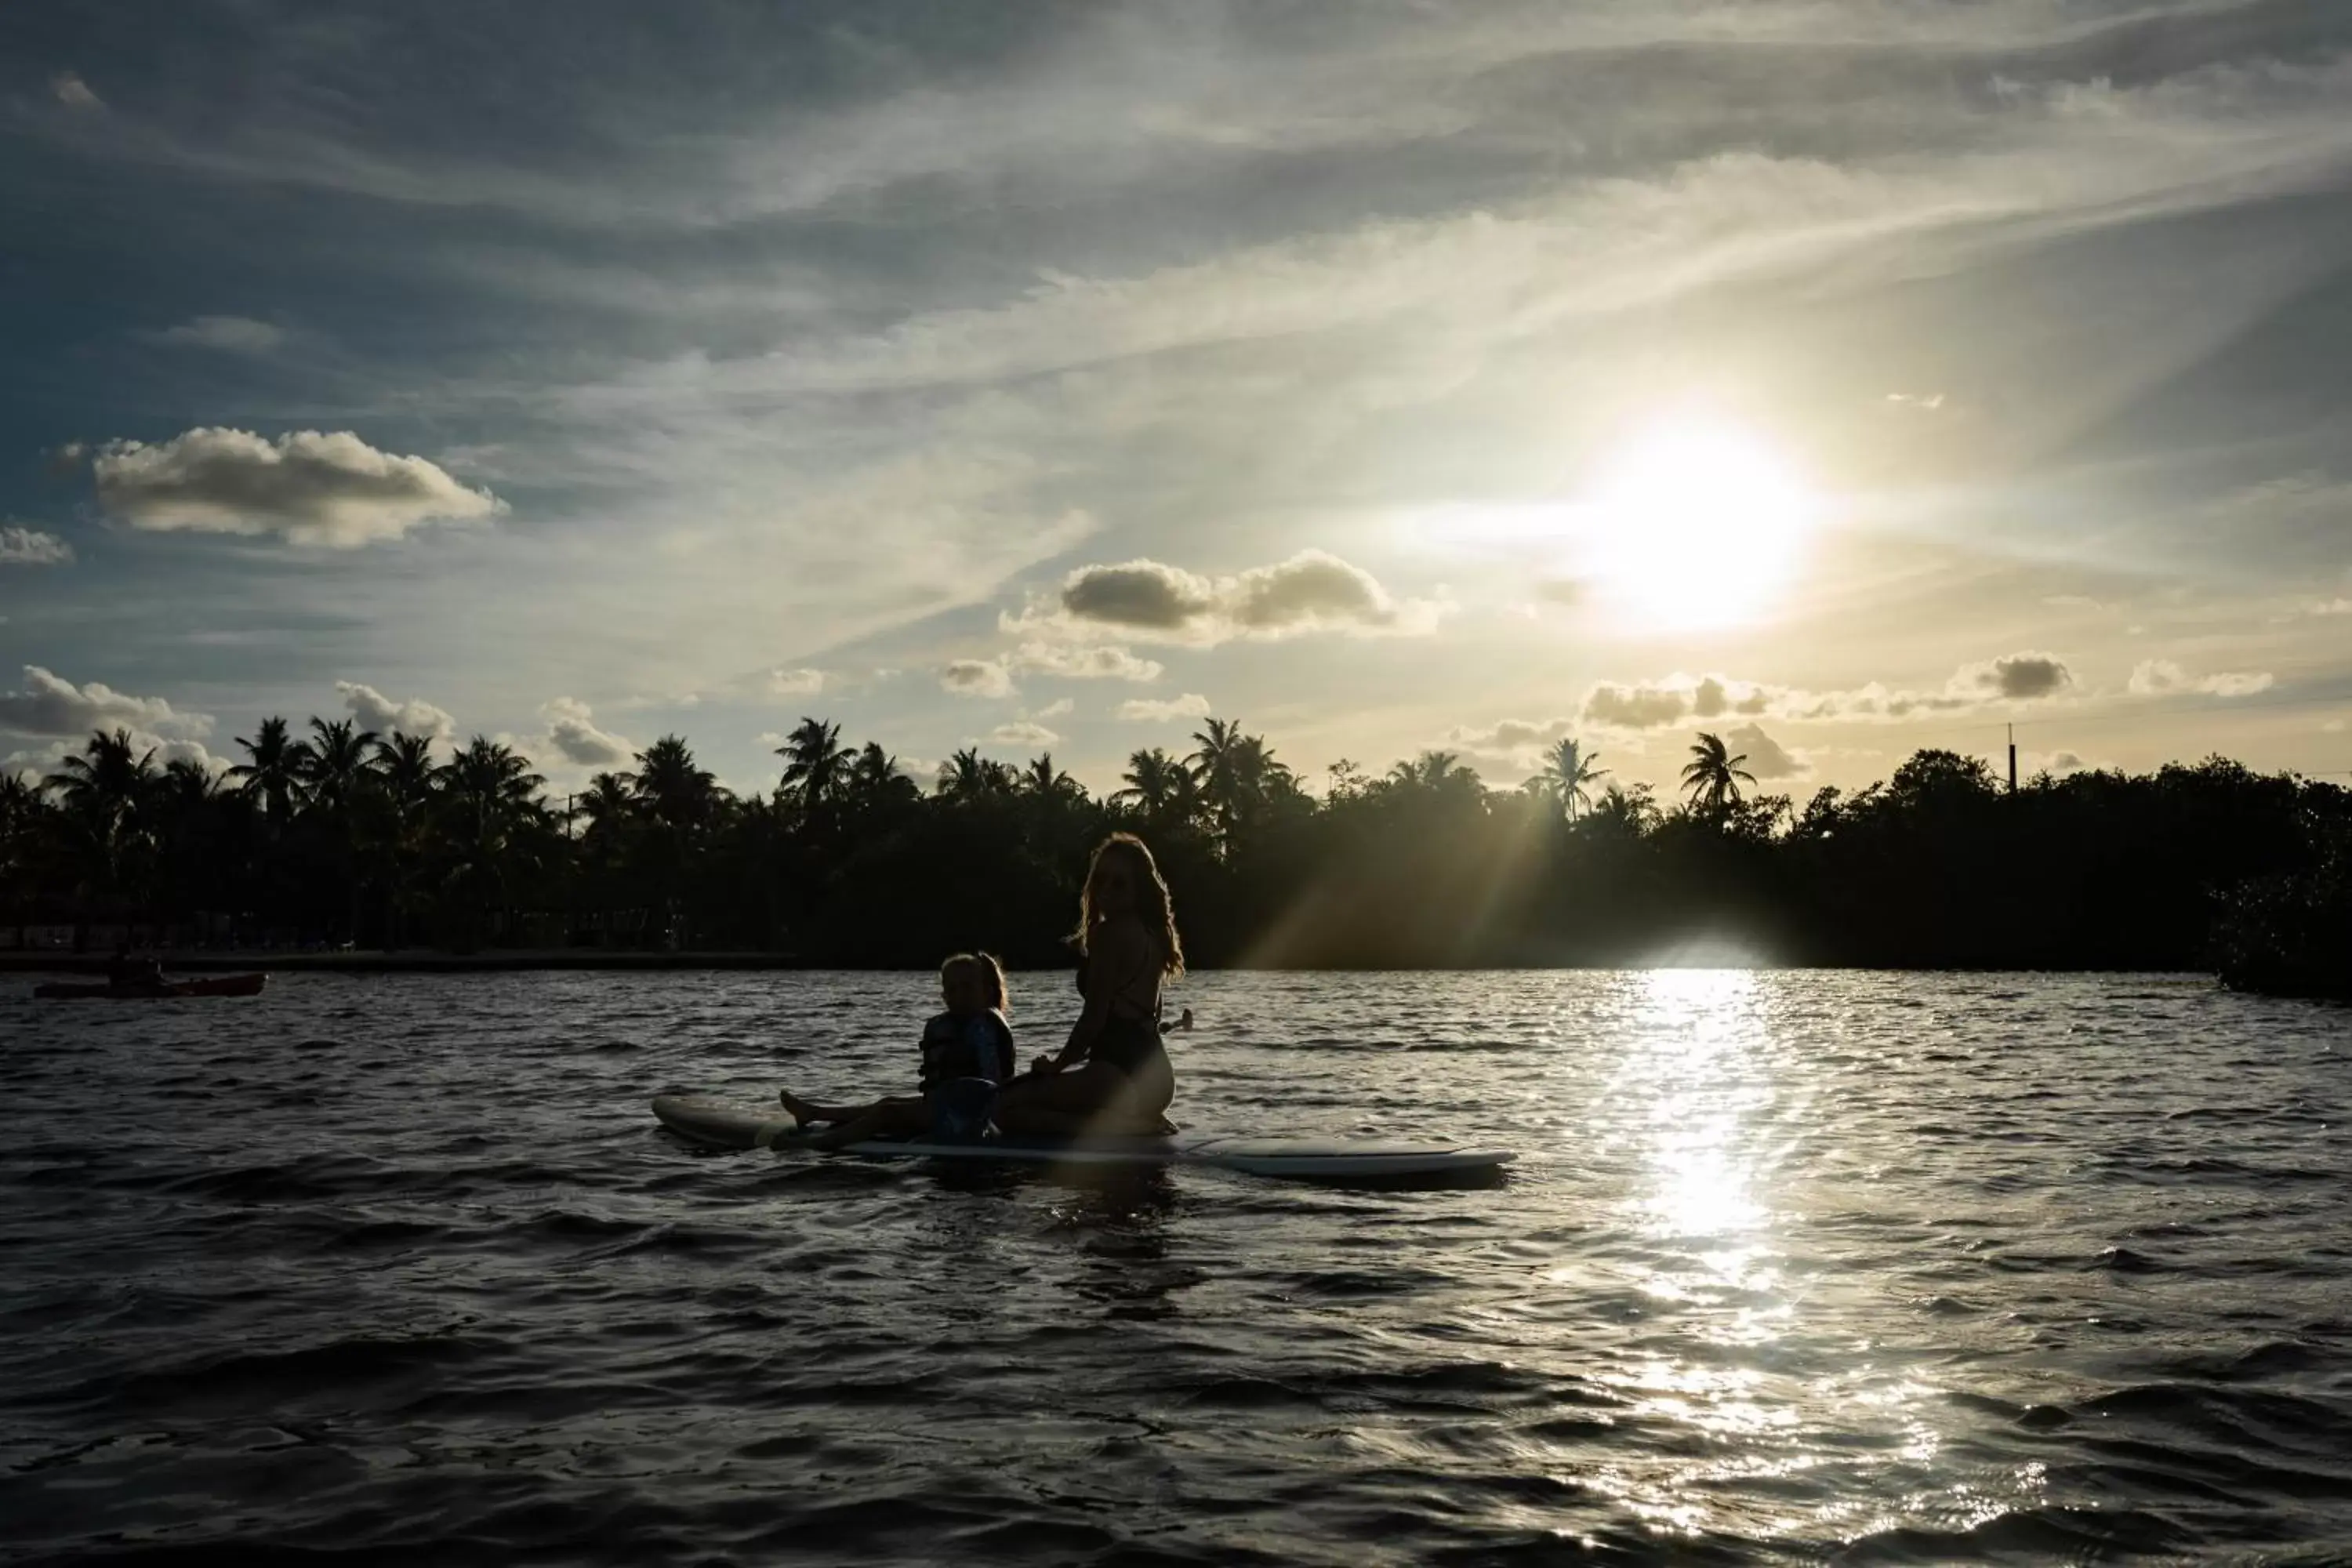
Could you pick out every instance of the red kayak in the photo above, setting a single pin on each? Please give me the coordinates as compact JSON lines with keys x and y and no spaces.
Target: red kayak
{"x":224,"y":985}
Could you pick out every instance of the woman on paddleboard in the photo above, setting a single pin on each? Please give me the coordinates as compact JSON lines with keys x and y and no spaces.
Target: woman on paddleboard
{"x":1114,"y":1075}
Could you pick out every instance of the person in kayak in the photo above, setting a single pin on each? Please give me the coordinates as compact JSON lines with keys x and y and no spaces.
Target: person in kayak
{"x":125,"y":972}
{"x":968,"y":1052}
{"x":1114,"y":1075}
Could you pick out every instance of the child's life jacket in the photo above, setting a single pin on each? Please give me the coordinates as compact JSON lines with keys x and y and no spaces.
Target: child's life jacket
{"x":974,"y":1045}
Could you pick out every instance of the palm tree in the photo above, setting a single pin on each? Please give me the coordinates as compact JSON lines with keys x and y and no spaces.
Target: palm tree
{"x":107,"y":790}
{"x":968,"y":775}
{"x":1568,"y":773}
{"x":335,"y":763}
{"x":405,"y":783}
{"x":1216,"y":765}
{"x":875,"y":780}
{"x":816,"y":765}
{"x":1712,"y":775}
{"x":491,"y":799}
{"x":404,"y":764}
{"x":607,"y":806}
{"x":1042,"y":781}
{"x":273,"y":769}
{"x":675,"y":792}
{"x":1157,"y":783}
{"x":23,"y":812}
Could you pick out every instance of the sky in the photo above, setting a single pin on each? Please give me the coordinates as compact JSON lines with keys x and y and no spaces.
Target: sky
{"x":1842,"y":378}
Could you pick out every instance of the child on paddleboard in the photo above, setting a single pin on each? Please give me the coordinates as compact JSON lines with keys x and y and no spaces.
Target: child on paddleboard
{"x":968,"y":1054}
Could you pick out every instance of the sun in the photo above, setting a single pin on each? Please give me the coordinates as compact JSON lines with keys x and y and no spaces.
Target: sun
{"x":1697,"y":523}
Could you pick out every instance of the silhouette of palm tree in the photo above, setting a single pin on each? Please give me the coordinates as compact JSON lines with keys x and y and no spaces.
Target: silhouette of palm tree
{"x":675,"y":792}
{"x":403,"y":765}
{"x":334,"y":761}
{"x":875,"y":780}
{"x":1217,"y":765}
{"x":1568,"y":773}
{"x":1041,"y":781}
{"x":1712,"y":775}
{"x":105,"y":790}
{"x":1156,"y":780}
{"x":816,"y":765}
{"x":273,"y":769}
{"x":967,"y":776}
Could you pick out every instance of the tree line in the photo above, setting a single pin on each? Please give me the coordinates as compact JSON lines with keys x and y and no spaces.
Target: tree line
{"x":346,"y":836}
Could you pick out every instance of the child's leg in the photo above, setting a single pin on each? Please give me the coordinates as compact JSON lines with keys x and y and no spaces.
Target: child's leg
{"x":807,"y":1111}
{"x":883,"y":1119}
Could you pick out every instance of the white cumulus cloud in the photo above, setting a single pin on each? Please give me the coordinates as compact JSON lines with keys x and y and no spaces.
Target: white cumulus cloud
{"x":21,"y":546}
{"x":386,"y":716}
{"x":1022,"y":732}
{"x":49,"y":704}
{"x":977,"y":677}
{"x":572,"y":731}
{"x":310,"y":487}
{"x":1767,"y":758}
{"x":1314,"y":590}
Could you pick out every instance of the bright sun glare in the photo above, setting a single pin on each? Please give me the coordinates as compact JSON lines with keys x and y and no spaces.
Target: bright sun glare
{"x":1697,"y":524}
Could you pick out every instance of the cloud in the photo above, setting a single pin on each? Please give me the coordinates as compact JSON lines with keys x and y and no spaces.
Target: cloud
{"x":1314,"y":590}
{"x":1635,"y":707}
{"x":68,"y":89}
{"x":1157,"y":711}
{"x":333,"y":491}
{"x":51,"y":705}
{"x":1767,"y":758}
{"x":1516,"y":742}
{"x":572,"y":731}
{"x":2162,"y":678}
{"x":977,"y":677}
{"x":1022,"y":732}
{"x":380,"y":713}
{"x":2028,"y":677}
{"x":796,"y":683}
{"x":1053,"y":709}
{"x":230,"y":334}
{"x":1103,"y":661}
{"x":2333,"y":608}
{"x":30,"y":547}
{"x":2021,"y":676}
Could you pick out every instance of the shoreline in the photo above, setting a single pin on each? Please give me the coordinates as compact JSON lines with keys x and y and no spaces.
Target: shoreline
{"x":402,"y":961}
{"x":421,"y":961}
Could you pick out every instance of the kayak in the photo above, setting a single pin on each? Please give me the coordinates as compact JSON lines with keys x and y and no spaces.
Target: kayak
{"x":220,"y":986}
{"x":1295,"y":1159}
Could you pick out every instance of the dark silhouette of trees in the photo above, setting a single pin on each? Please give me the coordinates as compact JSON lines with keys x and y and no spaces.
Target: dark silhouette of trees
{"x":351,"y":838}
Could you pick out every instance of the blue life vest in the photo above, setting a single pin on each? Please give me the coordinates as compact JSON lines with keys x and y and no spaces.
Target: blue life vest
{"x":976,"y":1047}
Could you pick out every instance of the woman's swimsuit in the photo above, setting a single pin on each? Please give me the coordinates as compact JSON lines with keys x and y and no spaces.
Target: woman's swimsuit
{"x":1125,"y":1043}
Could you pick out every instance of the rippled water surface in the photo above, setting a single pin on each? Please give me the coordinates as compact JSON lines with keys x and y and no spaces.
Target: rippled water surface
{"x":1795,"y":1266}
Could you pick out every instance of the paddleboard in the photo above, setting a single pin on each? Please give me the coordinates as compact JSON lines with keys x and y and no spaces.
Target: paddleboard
{"x":1298,"y":1159}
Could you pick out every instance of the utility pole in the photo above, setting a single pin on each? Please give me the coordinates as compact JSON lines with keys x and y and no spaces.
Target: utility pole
{"x":2012,"y":759}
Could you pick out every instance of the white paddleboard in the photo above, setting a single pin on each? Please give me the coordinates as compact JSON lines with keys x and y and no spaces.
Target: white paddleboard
{"x":1305,"y":1159}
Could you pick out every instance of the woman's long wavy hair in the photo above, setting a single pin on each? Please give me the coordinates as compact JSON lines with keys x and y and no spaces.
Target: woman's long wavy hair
{"x":1153,"y":906}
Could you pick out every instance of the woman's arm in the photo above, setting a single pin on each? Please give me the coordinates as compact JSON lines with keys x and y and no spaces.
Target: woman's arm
{"x":1091,"y":1017}
{"x":1117,"y":951}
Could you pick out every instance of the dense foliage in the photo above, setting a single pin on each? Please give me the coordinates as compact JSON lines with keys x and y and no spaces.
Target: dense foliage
{"x":343,"y":836}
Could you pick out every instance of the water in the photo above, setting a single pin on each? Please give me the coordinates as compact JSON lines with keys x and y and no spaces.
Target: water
{"x":1902,"y":1268}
